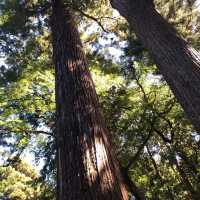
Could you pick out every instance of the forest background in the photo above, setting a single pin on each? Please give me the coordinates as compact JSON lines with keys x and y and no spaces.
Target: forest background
{"x":155,"y":143}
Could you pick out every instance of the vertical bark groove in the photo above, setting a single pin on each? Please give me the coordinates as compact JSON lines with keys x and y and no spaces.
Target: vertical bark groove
{"x":86,"y":166}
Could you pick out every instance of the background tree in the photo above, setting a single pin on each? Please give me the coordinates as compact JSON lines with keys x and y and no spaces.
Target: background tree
{"x":177,"y":62}
{"x":21,"y":181}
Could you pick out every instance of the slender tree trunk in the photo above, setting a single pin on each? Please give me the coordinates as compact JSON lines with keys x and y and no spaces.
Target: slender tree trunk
{"x":86,"y":167}
{"x":191,"y":165}
{"x":183,"y":176}
{"x":169,"y":194}
{"x":193,"y":193}
{"x":179,"y":64}
{"x":133,"y":188}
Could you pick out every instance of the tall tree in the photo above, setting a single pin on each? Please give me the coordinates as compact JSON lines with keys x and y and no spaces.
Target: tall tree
{"x":86,"y":166}
{"x":178,"y":63}
{"x":21,"y":181}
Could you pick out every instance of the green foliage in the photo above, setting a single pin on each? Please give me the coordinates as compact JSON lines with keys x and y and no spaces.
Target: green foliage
{"x":185,"y":16}
{"x":138,"y":105}
{"x":20,"y":182}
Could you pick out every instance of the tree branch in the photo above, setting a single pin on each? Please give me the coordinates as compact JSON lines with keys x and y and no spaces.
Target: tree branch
{"x":92,"y":18}
{"x":27,"y":132}
{"x":165,"y":139}
{"x":134,"y":158}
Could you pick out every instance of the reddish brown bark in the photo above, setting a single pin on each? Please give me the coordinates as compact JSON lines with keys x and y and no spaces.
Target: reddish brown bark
{"x":178,"y":63}
{"x":86,"y":166}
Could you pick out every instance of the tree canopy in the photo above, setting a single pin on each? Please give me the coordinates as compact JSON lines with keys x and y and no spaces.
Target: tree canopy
{"x":155,"y":143}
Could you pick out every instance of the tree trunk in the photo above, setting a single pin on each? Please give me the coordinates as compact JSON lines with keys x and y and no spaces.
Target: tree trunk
{"x":169,"y":193}
{"x":133,"y":188}
{"x":85,"y":163}
{"x":178,"y":63}
{"x":190,"y":164}
{"x":193,"y":193}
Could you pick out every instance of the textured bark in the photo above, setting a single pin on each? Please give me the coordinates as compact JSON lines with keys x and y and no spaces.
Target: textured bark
{"x":85,"y":163}
{"x":179,"y":64}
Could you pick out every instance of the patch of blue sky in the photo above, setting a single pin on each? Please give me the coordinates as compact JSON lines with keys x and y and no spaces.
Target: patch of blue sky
{"x":153,"y":79}
{"x":2,"y":61}
{"x":198,"y":4}
{"x":3,"y":157}
{"x":28,"y":154}
{"x":156,"y":153}
{"x":108,"y":44}
{"x":111,"y":47}
{"x":196,"y":136}
{"x":29,"y":157}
